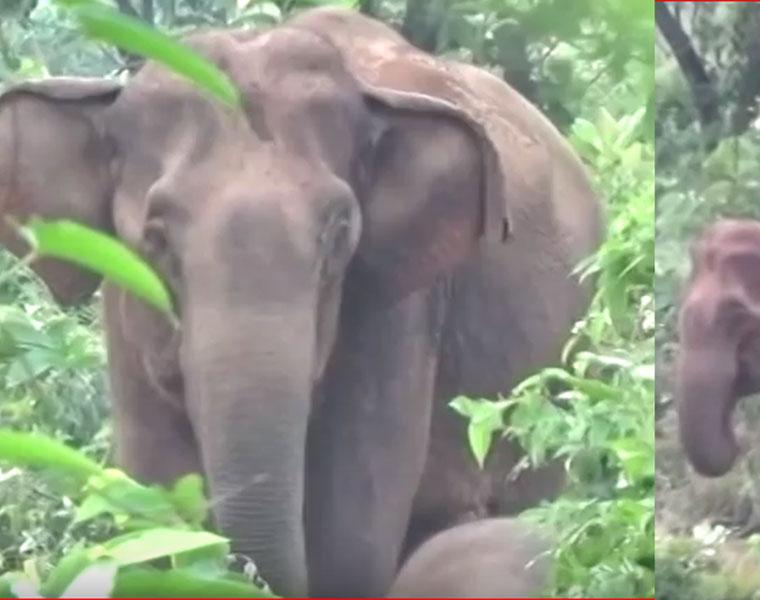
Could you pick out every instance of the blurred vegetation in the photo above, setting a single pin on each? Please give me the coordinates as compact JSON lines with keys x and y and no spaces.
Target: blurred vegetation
{"x":588,"y":65}
{"x":707,"y":79}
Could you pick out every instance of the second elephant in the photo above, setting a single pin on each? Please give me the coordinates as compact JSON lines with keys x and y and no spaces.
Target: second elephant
{"x":719,"y":326}
{"x":375,"y":232}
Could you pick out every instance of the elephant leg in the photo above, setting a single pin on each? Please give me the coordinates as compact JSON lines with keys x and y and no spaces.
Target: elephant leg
{"x":367,"y":445}
{"x":154,"y":441}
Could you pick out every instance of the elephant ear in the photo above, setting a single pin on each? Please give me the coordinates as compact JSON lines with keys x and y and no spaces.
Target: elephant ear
{"x":55,"y":164}
{"x":436,"y":188}
{"x":439,"y":171}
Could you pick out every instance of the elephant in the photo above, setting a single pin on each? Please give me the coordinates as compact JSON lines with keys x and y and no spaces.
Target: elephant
{"x":486,"y":558}
{"x":719,"y":329}
{"x":373,"y":233}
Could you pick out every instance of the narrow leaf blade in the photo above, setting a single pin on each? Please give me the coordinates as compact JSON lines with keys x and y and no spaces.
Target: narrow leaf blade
{"x":129,"y":33}
{"x":98,"y":252}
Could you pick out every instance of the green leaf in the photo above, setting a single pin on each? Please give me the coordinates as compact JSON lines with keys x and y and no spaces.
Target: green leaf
{"x":35,"y":450}
{"x":467,"y":407}
{"x":95,"y":581}
{"x":636,"y":456}
{"x":208,"y":562}
{"x":122,"y":496}
{"x":142,"y":546}
{"x":101,"y":253}
{"x":93,"y":506}
{"x":109,"y":25}
{"x":66,"y":571}
{"x":486,"y":418}
{"x":28,"y":366}
{"x":18,"y":585}
{"x":188,"y":499}
{"x":6,"y":586}
{"x":480,"y":442}
{"x":146,"y":583}
{"x":586,"y":132}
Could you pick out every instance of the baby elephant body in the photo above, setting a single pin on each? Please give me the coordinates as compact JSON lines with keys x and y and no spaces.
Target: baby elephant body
{"x":490,"y":558}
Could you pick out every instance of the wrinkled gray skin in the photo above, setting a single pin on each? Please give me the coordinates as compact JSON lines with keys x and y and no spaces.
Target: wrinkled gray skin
{"x":377,"y":232}
{"x":489,"y":558}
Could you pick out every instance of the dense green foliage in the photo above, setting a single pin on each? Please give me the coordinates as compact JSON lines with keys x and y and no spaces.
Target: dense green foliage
{"x":604,"y":425}
{"x":588,"y":64}
{"x":707,"y":71}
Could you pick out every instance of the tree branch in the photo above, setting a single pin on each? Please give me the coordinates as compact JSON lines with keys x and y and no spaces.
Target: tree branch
{"x":703,"y":91}
{"x":746,"y":109}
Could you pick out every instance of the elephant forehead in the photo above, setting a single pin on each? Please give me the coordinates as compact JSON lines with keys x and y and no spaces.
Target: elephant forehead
{"x":727,"y":257}
{"x":295,"y":89}
{"x":160,"y":114}
{"x":260,"y":62}
{"x":726,"y":237}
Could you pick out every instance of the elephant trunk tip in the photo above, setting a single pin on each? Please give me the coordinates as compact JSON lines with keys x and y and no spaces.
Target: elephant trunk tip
{"x":713,"y":467}
{"x":714,"y":457}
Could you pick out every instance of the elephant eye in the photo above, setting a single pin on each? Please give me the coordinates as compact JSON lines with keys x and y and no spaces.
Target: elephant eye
{"x":337,"y":240}
{"x":162,"y":256}
{"x":340,"y":237}
{"x":154,"y":238}
{"x":337,"y":231}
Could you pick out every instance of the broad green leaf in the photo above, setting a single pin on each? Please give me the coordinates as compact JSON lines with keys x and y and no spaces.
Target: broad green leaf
{"x":22,"y":329}
{"x":485,"y":418}
{"x":146,"y":583}
{"x":149,"y":544}
{"x":28,"y":366}
{"x":95,"y":581}
{"x":6,"y":587}
{"x":480,"y":442}
{"x":35,"y":450}
{"x":66,"y":571}
{"x":209,"y":561}
{"x":109,"y":25}
{"x":123,"y":496}
{"x":467,"y":407}
{"x":93,"y":506}
{"x":100,"y":253}
{"x":19,"y":586}
{"x":636,"y":456}
{"x":585,"y":131}
{"x":189,"y":500}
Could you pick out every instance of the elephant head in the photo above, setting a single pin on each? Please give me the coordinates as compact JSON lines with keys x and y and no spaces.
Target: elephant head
{"x":719,"y":358}
{"x":259,"y":220}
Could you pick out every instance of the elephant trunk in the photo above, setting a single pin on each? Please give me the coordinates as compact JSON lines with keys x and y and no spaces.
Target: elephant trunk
{"x":248,"y":383}
{"x":706,"y":398}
